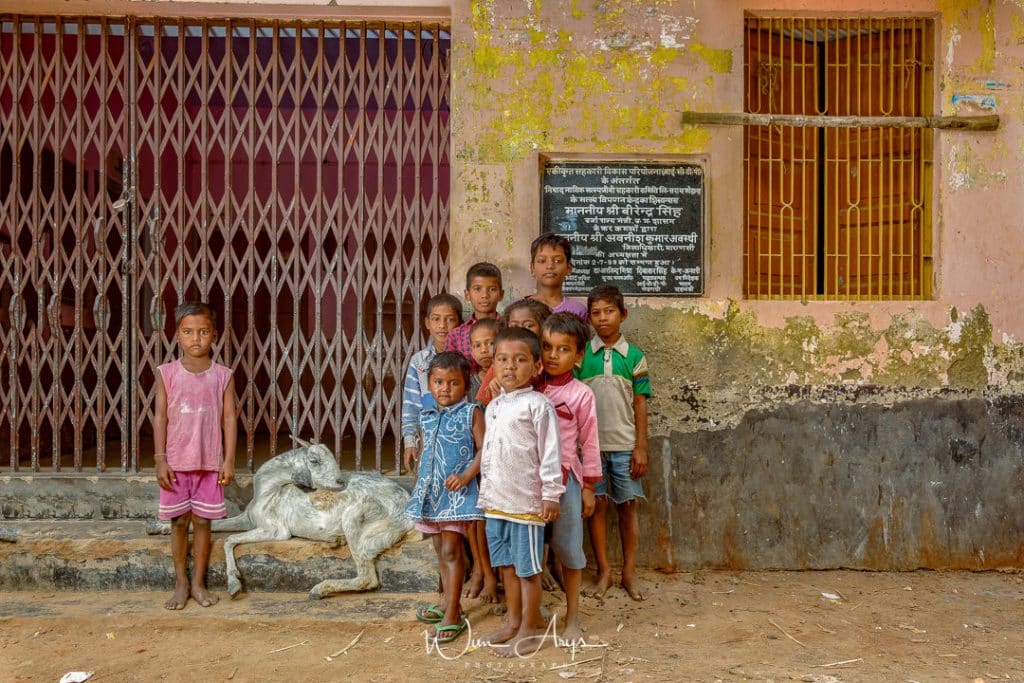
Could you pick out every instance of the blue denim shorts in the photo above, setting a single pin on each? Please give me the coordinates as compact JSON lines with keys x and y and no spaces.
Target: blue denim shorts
{"x":516,"y":544}
{"x":617,"y":484}
{"x":567,"y":530}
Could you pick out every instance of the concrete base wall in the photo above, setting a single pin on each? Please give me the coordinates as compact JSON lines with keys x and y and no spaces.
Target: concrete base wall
{"x":113,"y":555}
{"x":928,"y":483}
{"x":826,"y":480}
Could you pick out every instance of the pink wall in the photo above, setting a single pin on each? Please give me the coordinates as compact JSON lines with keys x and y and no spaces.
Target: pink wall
{"x":681,"y":56}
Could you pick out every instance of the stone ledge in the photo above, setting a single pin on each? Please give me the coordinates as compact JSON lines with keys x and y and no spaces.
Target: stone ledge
{"x":119,"y":555}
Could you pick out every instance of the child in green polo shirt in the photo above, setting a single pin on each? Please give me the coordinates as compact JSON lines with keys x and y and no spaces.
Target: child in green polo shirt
{"x":616,"y":371}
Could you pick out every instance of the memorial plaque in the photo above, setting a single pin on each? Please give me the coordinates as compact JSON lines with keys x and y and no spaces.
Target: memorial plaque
{"x":636,"y":225}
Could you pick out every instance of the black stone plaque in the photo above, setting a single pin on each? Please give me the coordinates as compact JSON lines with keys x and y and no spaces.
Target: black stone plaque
{"x":636,"y":225}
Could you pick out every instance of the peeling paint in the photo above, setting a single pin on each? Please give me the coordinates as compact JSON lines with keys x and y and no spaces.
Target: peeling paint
{"x":731,"y":363}
{"x":967,"y":171}
{"x":980,"y":101}
{"x":533,"y":80}
{"x":954,"y":38}
{"x":987,"y":29}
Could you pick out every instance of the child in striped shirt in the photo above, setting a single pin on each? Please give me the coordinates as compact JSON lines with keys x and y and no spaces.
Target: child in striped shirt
{"x":444,"y":313}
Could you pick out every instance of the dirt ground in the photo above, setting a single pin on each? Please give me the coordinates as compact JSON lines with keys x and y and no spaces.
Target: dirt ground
{"x":707,"y":626}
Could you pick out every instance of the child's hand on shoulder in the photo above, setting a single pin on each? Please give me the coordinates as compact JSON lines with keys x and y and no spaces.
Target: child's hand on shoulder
{"x":638,"y":463}
{"x":227,"y":473}
{"x":165,"y":476}
{"x":454,"y":482}
{"x":549,"y":510}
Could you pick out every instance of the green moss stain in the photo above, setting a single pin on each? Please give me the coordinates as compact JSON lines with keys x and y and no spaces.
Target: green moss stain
{"x":720,"y":61}
{"x":968,"y":340}
{"x":987,"y":29}
{"x":732,"y":354}
{"x":535,"y":88}
{"x":1017,"y":25}
{"x":489,"y":60}
{"x":664,"y":55}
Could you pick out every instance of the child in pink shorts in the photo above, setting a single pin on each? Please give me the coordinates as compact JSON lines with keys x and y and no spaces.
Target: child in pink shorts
{"x":194,"y":433}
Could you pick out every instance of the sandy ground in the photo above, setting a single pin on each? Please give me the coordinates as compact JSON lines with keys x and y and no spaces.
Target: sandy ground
{"x":775,"y":626}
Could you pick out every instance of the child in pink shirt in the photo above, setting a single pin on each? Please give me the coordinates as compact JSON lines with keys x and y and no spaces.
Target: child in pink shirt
{"x":563,"y":339}
{"x":194,"y":433}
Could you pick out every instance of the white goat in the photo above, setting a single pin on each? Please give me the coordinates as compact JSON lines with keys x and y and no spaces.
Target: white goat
{"x":364,"y":510}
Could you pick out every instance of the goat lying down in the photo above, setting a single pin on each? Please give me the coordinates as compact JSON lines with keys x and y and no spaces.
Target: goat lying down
{"x":364,"y":510}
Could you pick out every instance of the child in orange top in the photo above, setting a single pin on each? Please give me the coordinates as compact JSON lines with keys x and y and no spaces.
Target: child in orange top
{"x":481,"y":341}
{"x":523,"y":313}
{"x":483,"y":582}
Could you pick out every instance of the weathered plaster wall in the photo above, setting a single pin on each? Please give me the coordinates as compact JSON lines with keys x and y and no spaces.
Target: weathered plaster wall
{"x":613,"y":76}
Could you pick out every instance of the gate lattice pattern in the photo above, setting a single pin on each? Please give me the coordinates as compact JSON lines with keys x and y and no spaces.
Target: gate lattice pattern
{"x":293,"y":174}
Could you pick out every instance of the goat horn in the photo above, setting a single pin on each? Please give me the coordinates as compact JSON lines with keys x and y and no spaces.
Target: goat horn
{"x":302,"y":442}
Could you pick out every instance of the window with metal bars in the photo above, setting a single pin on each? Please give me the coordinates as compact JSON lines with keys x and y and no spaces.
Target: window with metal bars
{"x":838,"y":212}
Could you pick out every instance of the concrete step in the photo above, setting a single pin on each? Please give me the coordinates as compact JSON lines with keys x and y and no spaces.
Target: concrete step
{"x":119,"y":555}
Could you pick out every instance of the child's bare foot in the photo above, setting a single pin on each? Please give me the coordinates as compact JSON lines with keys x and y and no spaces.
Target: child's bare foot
{"x":548,"y":581}
{"x":632,"y":587}
{"x":203,"y":596}
{"x":489,"y":594}
{"x":474,"y":585}
{"x":178,"y":600}
{"x":571,"y":636}
{"x":543,"y":620}
{"x":600,"y":585}
{"x":520,"y":646}
{"x":502,"y":635}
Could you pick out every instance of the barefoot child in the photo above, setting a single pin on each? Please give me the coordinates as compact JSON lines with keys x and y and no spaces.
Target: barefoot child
{"x":444,"y":313}
{"x":444,"y":501}
{"x":484,"y":292}
{"x":550,"y":264}
{"x":483,"y":583}
{"x":563,"y":340}
{"x":616,"y":371}
{"x":194,"y":433}
{"x":521,"y":483}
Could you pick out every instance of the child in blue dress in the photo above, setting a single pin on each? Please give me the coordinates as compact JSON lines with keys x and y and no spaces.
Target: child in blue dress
{"x":443,"y":504}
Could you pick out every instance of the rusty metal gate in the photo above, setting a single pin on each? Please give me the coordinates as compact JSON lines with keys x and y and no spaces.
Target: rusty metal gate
{"x":293,"y":174}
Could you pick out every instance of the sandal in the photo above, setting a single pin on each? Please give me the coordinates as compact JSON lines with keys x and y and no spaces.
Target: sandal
{"x":446,"y":634}
{"x":431,"y":614}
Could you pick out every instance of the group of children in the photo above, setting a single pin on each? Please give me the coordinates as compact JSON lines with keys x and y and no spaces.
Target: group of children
{"x":523,"y":426}
{"x":564,"y":429}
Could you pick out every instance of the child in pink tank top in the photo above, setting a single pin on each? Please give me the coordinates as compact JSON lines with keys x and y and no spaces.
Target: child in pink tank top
{"x":194,"y":434}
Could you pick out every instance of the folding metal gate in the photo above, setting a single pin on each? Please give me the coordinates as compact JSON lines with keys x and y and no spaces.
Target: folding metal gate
{"x":293,"y":174}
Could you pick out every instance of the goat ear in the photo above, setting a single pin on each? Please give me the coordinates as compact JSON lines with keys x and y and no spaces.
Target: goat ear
{"x":301,"y":476}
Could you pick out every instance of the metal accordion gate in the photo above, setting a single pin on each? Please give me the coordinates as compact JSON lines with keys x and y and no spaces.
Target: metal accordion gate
{"x":293,"y":174}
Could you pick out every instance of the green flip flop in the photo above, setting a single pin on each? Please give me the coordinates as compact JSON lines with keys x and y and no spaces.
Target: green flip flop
{"x":446,"y":634}
{"x":431,"y":614}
